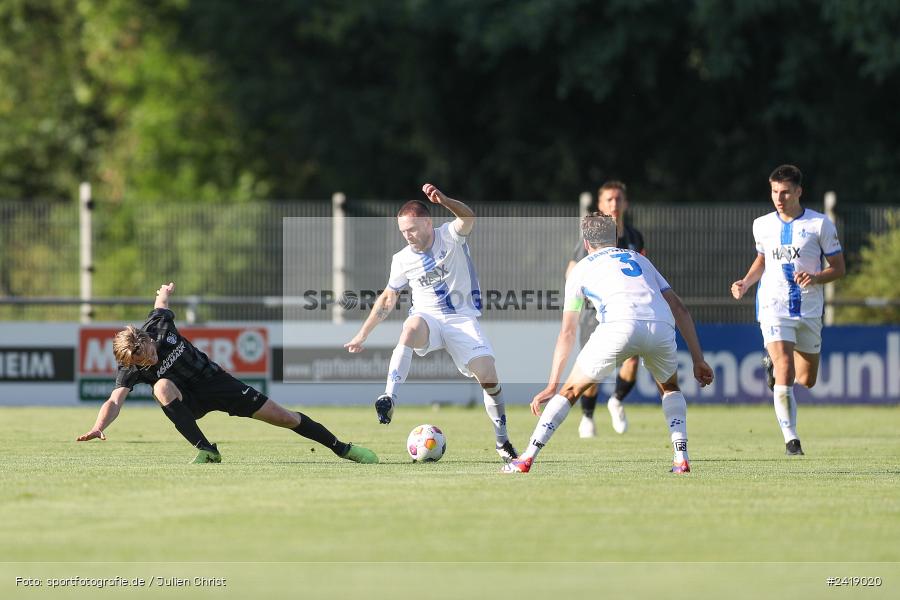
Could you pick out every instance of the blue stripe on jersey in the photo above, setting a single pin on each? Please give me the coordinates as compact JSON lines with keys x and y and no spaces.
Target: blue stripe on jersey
{"x":793,"y":290}
{"x":428,"y":261}
{"x":442,"y":291}
{"x":601,"y":308}
{"x":787,"y":232}
{"x":473,"y":278}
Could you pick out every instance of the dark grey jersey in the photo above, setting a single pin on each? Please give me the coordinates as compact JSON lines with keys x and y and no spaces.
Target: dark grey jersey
{"x":179,"y":360}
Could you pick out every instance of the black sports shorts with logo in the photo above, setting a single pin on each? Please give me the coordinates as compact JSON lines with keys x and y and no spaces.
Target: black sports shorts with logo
{"x":224,"y":393}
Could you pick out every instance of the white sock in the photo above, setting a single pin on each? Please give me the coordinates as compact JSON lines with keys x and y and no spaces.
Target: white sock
{"x":786,"y":411}
{"x":554,"y":414}
{"x":675,"y":410}
{"x":398,"y":368}
{"x":496,"y":410}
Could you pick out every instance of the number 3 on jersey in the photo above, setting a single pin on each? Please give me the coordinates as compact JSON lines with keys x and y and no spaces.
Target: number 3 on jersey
{"x":633,"y":269}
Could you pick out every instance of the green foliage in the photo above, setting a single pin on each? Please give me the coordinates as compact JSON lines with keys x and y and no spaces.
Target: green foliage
{"x":189,"y":100}
{"x":877,"y":277}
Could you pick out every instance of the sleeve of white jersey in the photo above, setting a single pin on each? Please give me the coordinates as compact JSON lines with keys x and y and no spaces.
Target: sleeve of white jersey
{"x":397,"y":279}
{"x":756,"y":237}
{"x":574,"y":300}
{"x":828,"y":238}
{"x":448,"y":231}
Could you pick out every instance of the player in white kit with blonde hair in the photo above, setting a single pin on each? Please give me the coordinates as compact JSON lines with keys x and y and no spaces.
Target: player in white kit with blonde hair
{"x":637,"y":312}
{"x":791,"y":243}
{"x":446,"y":303}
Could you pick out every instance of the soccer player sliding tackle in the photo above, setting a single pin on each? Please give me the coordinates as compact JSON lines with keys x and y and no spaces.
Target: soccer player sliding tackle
{"x":446,"y":304}
{"x":187,"y":385}
{"x":637,"y":312}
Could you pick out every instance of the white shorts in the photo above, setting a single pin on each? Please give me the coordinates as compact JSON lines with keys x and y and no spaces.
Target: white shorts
{"x":611,"y":344}
{"x":460,"y":335}
{"x":806,"y":334}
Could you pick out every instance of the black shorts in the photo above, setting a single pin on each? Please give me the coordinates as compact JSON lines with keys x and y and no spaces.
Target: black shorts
{"x":224,"y":393}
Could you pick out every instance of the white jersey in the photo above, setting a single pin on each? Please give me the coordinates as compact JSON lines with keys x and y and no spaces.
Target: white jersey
{"x":621,"y":284}
{"x":799,"y":245}
{"x":442,"y":279}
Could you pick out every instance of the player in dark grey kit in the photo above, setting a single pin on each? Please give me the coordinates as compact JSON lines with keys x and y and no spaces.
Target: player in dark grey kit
{"x":611,"y":200}
{"x":187,"y":384}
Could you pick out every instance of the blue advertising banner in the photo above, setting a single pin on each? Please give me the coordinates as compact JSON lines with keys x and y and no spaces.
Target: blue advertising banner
{"x":859,"y":365}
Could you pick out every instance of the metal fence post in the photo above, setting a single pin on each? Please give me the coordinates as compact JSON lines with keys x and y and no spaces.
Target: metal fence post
{"x":338,"y":254}
{"x":584,"y":203}
{"x":830,"y":203}
{"x":86,"y":207}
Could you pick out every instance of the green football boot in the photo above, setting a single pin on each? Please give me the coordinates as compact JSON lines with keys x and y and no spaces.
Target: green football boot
{"x":360,"y":455}
{"x":208,"y":456}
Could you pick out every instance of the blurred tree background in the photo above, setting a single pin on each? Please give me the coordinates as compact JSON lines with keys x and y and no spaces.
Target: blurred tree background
{"x":532,"y":100}
{"x":190,"y":102}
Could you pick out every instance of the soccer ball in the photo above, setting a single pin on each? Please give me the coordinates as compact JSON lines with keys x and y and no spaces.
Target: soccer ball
{"x":426,"y":443}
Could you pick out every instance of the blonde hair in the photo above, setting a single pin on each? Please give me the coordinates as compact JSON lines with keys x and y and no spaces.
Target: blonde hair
{"x":599,"y":230}
{"x":129,"y":343}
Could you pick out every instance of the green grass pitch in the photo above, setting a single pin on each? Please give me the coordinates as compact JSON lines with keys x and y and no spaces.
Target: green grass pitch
{"x":283,"y":517}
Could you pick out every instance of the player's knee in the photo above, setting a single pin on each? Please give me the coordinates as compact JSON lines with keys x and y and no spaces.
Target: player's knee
{"x":807,"y":380}
{"x":484,"y":370}
{"x":165,"y":392}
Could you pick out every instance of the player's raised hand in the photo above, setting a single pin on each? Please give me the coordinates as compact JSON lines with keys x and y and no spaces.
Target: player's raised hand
{"x":166,"y":288}
{"x":703,"y":373}
{"x":355,"y":345}
{"x":804,"y":279}
{"x":738,"y":289}
{"x":96,"y":433}
{"x":542,"y":398}
{"x":434,"y":194}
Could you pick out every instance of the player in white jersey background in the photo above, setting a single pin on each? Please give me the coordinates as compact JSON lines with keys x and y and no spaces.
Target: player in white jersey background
{"x":791,"y":243}
{"x":446,"y":304}
{"x":637,"y":312}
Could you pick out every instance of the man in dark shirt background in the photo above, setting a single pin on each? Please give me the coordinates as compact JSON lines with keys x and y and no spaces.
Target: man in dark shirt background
{"x":187,"y":384}
{"x":613,"y":201}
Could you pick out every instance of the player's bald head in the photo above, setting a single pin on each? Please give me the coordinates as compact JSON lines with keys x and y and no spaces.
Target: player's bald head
{"x":414,"y":208}
{"x":599,"y":230}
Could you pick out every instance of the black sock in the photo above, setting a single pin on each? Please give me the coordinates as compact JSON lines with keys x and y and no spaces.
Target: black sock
{"x":588,"y":403}
{"x":319,"y":433}
{"x":186,"y":424}
{"x":622,"y":388}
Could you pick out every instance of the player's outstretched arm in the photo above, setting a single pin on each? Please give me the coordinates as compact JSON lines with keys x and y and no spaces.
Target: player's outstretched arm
{"x":465,"y":217}
{"x":108,"y":413}
{"x":564,"y":343}
{"x":380,"y":311}
{"x":163,"y":293}
{"x":742,"y":286}
{"x":703,"y":373}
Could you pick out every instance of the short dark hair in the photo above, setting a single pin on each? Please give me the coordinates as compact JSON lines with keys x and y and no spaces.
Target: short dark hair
{"x":613,"y":184}
{"x":414,"y":208}
{"x":787,"y":174}
{"x":599,"y":230}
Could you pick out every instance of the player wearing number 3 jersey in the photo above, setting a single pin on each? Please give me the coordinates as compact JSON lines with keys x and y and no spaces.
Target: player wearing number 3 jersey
{"x":637,"y":313}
